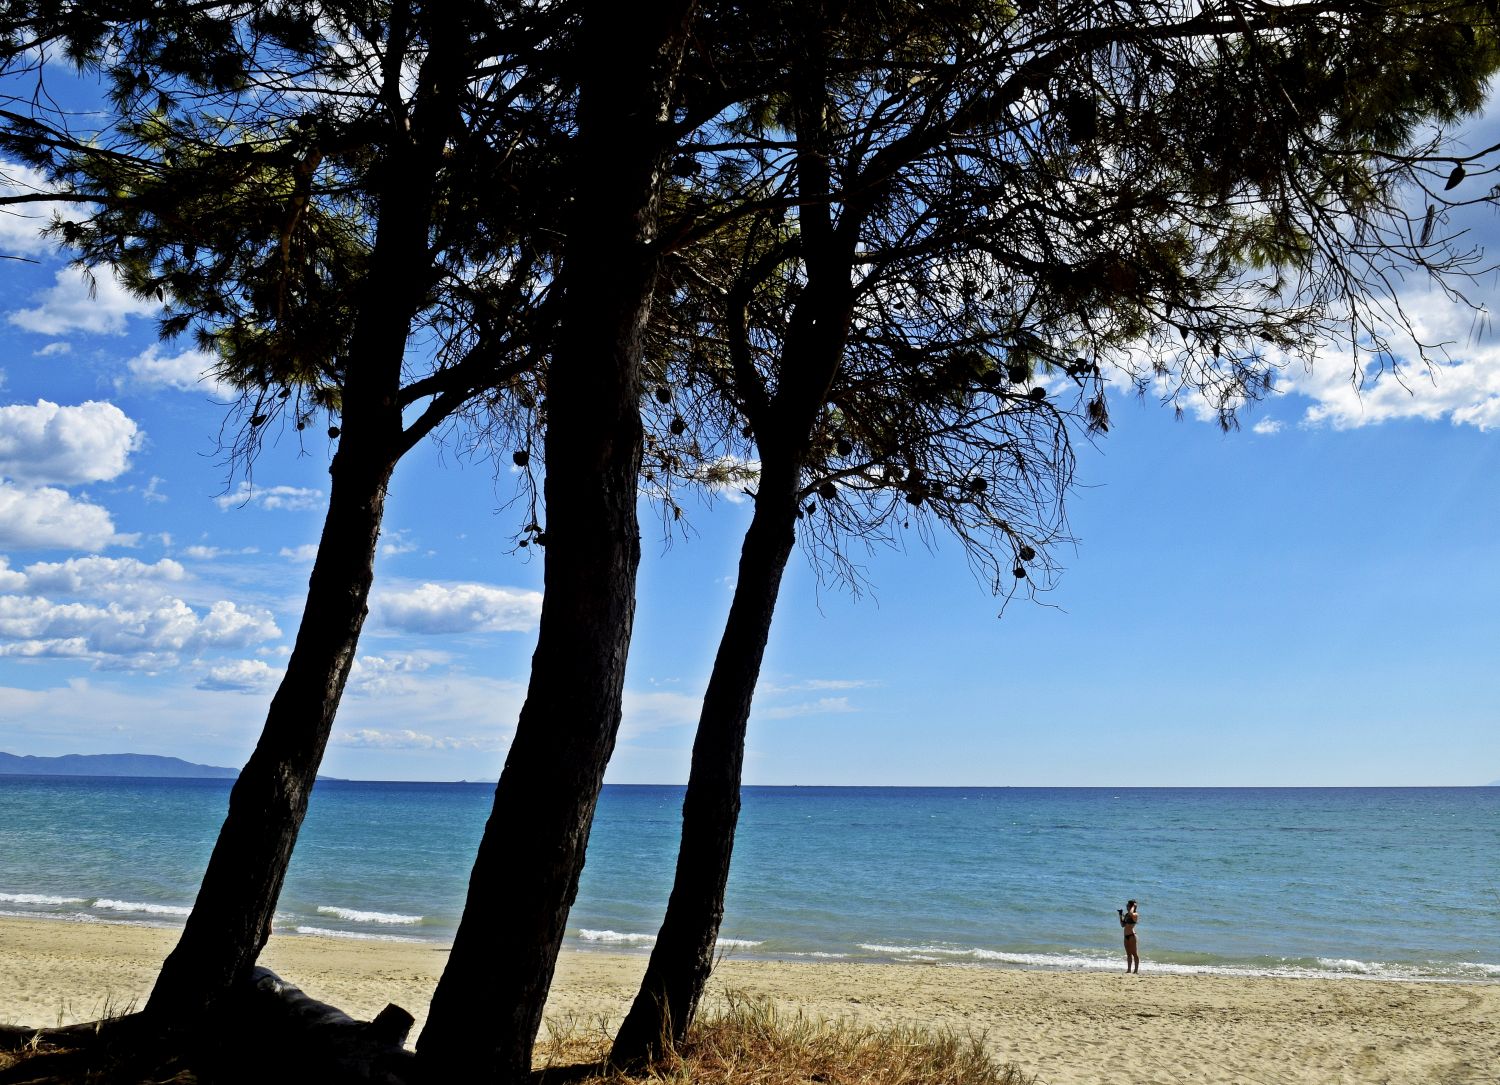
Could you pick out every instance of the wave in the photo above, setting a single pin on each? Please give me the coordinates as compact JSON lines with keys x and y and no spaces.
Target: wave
{"x":632,"y":938}
{"x":1287,"y":968}
{"x":617,"y":938}
{"x":362,"y":936}
{"x":107,"y":905}
{"x":39,"y":898}
{"x":354,"y":915}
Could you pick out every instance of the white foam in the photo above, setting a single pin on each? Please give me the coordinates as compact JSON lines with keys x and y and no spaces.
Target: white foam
{"x":618,"y":938}
{"x":362,"y":936}
{"x":67,"y":917}
{"x":740,"y":943}
{"x":354,"y":915}
{"x":136,"y":906}
{"x":38,"y":898}
{"x":1345,"y":964}
{"x":1481,"y":967}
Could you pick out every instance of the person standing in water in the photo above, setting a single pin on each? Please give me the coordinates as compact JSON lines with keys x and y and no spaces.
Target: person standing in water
{"x":1129,"y":917}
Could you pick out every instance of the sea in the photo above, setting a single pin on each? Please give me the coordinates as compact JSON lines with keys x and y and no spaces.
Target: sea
{"x":1396,"y":883}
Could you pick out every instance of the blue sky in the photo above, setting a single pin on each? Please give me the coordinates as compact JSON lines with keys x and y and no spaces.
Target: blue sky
{"x":1313,"y":600}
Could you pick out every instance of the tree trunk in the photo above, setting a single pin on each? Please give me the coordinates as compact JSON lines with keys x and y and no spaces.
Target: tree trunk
{"x":487,"y":1008}
{"x":818,"y":331}
{"x":683,"y":956}
{"x":231,"y":919}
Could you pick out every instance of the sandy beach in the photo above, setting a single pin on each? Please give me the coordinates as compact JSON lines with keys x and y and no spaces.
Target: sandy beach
{"x":1065,"y":1028}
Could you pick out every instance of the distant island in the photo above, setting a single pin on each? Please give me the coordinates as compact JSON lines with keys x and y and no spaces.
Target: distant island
{"x":110,"y":764}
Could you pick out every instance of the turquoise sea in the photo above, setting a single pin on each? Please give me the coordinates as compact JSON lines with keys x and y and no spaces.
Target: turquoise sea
{"x":1400,"y":883}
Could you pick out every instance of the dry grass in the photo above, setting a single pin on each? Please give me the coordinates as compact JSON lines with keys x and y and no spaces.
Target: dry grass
{"x":751,"y":1042}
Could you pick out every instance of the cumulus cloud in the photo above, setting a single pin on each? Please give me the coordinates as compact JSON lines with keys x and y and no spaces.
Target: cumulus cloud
{"x":240,"y":676}
{"x":97,"y":305}
{"x":460,"y":608}
{"x":117,"y":578}
{"x":148,"y":636}
{"x":47,"y":443}
{"x":271,"y":498}
{"x":305,"y":552}
{"x":392,"y":674}
{"x":1461,"y":386}
{"x":48,"y":518}
{"x":190,"y":371}
{"x":1464,"y":392}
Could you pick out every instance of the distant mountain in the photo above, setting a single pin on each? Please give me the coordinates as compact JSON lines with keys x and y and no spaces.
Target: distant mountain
{"x":110,"y":764}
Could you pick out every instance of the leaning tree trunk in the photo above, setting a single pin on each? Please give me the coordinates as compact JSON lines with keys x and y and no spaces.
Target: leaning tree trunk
{"x":231,"y":918}
{"x":817,"y":334}
{"x":683,"y":956}
{"x":487,"y":1008}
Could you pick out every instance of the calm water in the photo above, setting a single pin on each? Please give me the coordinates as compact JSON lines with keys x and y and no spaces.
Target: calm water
{"x":1390,"y":882}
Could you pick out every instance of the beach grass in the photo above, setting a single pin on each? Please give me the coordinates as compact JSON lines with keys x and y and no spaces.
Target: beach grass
{"x":745,"y":1041}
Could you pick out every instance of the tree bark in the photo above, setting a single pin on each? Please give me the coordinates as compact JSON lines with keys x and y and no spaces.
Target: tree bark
{"x":683,"y":955}
{"x":818,"y":331}
{"x":231,"y":918}
{"x":487,"y":1007}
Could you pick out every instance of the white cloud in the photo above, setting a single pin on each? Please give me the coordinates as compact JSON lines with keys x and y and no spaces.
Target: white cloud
{"x":392,"y":674}
{"x":273,"y":498}
{"x":460,"y":608}
{"x":147,"y":637}
{"x":823,"y":706}
{"x":84,"y":716}
{"x":48,"y":518}
{"x":190,"y":371}
{"x":21,"y":224}
{"x":53,"y":350}
{"x":211,"y":553}
{"x":1266,"y":426}
{"x":97,"y":577}
{"x":152,"y":493}
{"x":46,"y":443}
{"x":372,"y":738}
{"x":396,"y":544}
{"x":72,"y":304}
{"x":240,"y":676}
{"x":813,"y":684}
{"x":1464,"y":392}
{"x":656,"y":711}
{"x":305,"y":552}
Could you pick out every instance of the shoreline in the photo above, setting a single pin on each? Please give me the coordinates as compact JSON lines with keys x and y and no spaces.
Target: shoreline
{"x":639,"y":946}
{"x":1065,"y":1027}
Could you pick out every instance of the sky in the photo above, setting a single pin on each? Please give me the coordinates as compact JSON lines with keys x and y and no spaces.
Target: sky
{"x":1311,"y":600}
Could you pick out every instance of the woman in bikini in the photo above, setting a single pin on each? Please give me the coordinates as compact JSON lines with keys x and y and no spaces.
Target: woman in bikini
{"x":1129,"y":917}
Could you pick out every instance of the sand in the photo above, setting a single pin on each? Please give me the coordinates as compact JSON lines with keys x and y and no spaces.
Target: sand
{"x":1090,"y":1028}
